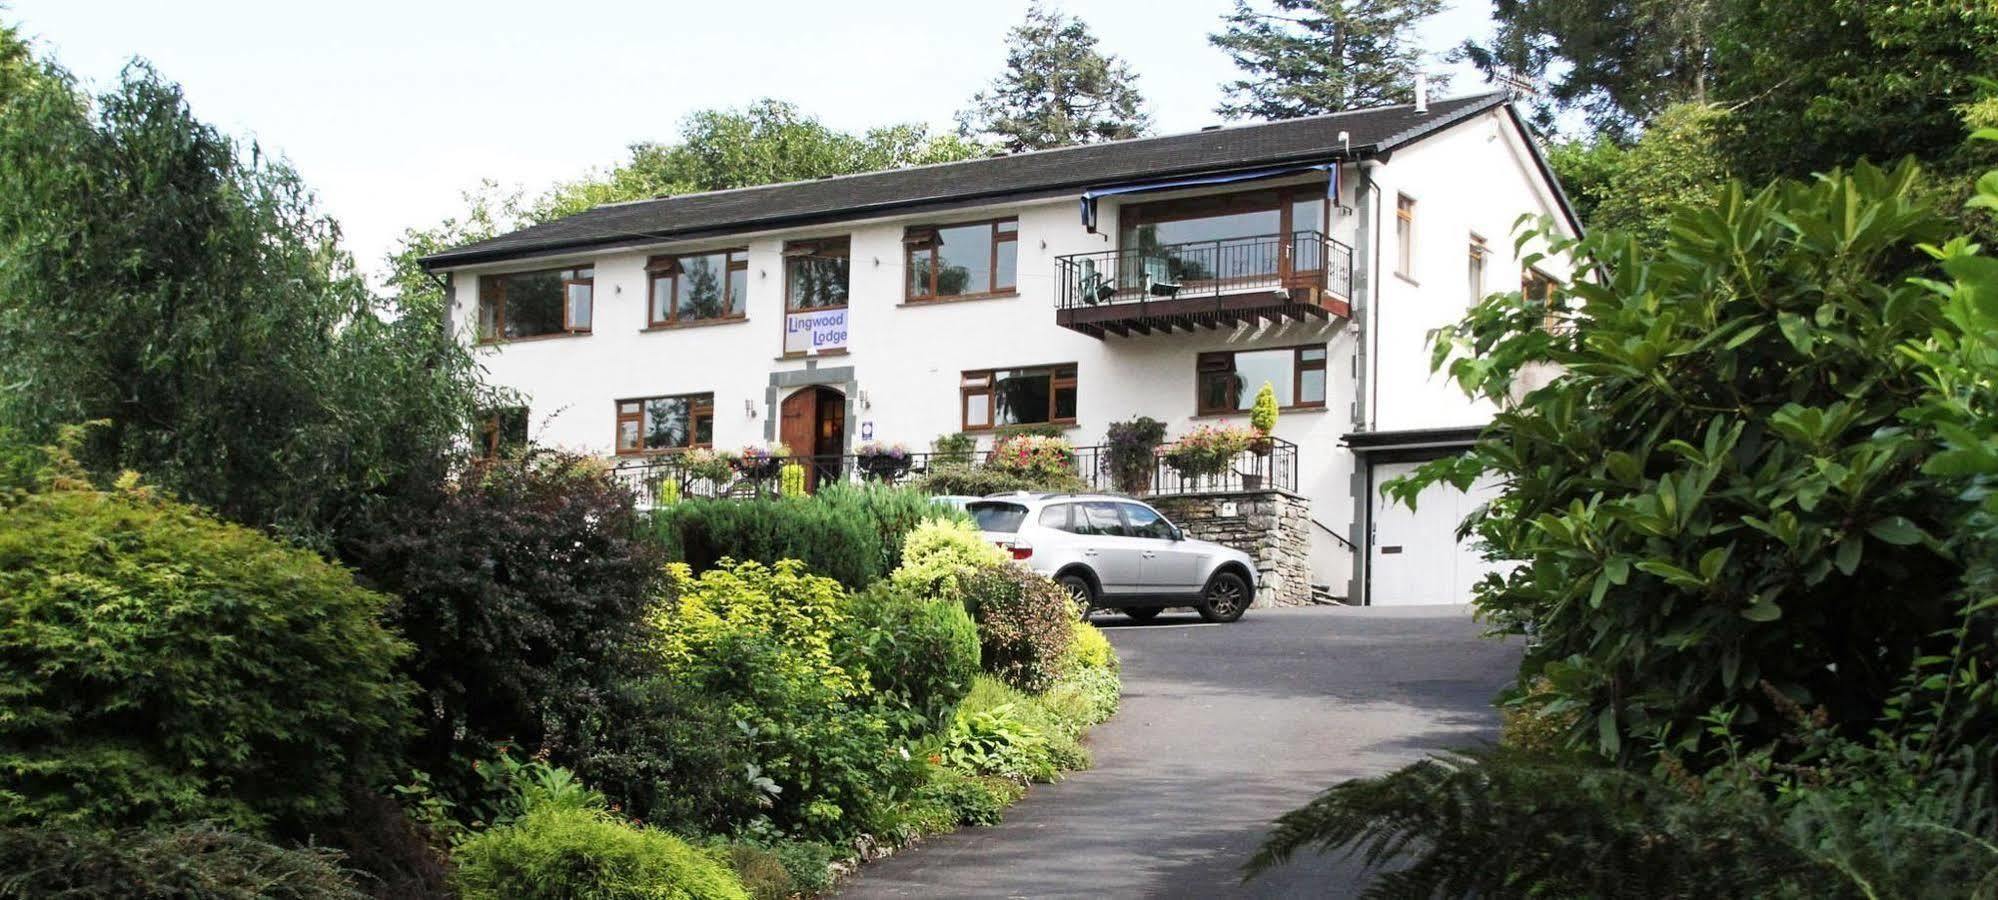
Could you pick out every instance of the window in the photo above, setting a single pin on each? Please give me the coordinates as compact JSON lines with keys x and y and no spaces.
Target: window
{"x":1145,"y":522}
{"x":533,"y":304}
{"x":697,"y":287}
{"x":1098,"y":518}
{"x":1228,"y":236}
{"x":500,"y":431}
{"x":1477,"y":268}
{"x":996,"y":398}
{"x":1540,"y":289}
{"x":1056,"y":516}
{"x":815,"y":274}
{"x":962,"y":260}
{"x":1229,"y":380}
{"x":654,"y":424}
{"x":1404,"y":235}
{"x":1002,"y":518}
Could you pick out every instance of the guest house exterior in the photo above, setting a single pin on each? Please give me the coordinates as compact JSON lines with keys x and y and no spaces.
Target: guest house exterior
{"x":1167,"y":277}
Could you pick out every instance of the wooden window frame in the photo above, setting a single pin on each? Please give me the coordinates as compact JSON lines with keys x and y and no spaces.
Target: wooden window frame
{"x":1057,"y":381}
{"x":492,"y":293}
{"x":1298,"y":366}
{"x":1404,"y":232}
{"x":812,"y":249}
{"x":1478,"y":265}
{"x":668,"y":267}
{"x":1549,"y":298}
{"x":922,"y":239}
{"x":491,"y":438}
{"x":694,"y":416}
{"x":1283,"y":199}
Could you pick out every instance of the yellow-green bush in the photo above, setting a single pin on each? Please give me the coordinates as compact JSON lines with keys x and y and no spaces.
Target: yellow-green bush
{"x":560,"y":852}
{"x":159,"y":665}
{"x":762,"y":640}
{"x":1091,"y":649}
{"x":939,"y":554}
{"x":917,"y":654}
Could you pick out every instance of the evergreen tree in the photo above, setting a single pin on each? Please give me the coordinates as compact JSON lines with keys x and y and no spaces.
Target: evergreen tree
{"x":1618,"y":62}
{"x":1058,"y":90}
{"x":1305,"y":57}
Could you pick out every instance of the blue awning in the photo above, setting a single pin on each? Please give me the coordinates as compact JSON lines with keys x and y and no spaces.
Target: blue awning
{"x":1089,"y":197}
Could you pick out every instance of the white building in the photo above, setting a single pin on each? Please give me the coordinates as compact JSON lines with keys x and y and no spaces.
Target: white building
{"x":1165,"y":277}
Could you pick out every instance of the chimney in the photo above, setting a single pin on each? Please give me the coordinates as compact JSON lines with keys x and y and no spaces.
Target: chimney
{"x":1421,"y":93}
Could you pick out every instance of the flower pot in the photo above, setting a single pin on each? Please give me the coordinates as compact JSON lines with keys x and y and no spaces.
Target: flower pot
{"x":1252,"y":482}
{"x":1262,"y":446}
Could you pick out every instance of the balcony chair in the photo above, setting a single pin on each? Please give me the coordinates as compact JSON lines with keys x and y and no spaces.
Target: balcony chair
{"x":1158,"y":279}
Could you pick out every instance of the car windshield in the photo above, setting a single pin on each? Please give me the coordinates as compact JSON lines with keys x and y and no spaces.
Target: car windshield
{"x":1000,"y":517}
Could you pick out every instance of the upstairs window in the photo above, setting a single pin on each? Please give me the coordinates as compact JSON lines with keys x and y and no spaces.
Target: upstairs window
{"x":1229,"y":381}
{"x":962,"y":260}
{"x":1404,"y":236}
{"x":1479,"y":253}
{"x":815,"y":273}
{"x":535,"y":304}
{"x":697,"y":287}
{"x":659,"y":424}
{"x":995,"y":398}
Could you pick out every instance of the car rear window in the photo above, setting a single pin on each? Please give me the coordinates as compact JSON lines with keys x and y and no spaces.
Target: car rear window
{"x":1004,"y":518}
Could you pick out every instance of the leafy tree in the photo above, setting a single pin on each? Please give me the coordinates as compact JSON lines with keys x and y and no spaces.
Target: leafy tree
{"x":1677,"y":162}
{"x":1305,"y":57}
{"x":1058,"y":90}
{"x":765,"y":143}
{"x":1619,"y":62}
{"x":157,"y":277}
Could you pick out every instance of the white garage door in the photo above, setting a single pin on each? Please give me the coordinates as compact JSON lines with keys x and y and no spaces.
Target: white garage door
{"x":1415,"y":557}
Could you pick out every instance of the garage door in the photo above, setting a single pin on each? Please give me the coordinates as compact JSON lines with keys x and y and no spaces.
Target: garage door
{"x":1415,"y":557}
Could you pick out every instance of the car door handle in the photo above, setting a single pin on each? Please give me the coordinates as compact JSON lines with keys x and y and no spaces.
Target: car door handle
{"x":1089,"y":553}
{"x":1151,"y":554}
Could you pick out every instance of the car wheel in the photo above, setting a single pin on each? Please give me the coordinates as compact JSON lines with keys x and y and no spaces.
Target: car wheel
{"x":1080,"y":593}
{"x":1144,"y":613}
{"x":1225,"y":599}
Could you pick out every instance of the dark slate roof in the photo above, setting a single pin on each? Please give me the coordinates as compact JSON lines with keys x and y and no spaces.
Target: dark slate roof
{"x":1019,"y":176}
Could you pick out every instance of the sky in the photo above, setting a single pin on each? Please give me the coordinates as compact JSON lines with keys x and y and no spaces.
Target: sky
{"x":392,"y":110}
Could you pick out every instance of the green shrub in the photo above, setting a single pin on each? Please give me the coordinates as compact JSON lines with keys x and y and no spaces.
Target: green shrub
{"x":954,"y":449}
{"x":893,"y":511}
{"x":1000,"y":731}
{"x":967,"y":480}
{"x":559,"y":852}
{"x":919,"y":655}
{"x":1721,"y":491}
{"x":969,"y":799}
{"x":762,"y":641}
{"x":1263,"y":415}
{"x":663,"y":753}
{"x":1026,"y":624}
{"x":159,"y":665}
{"x":187,"y":862}
{"x":761,"y":872}
{"x":940,"y":554}
{"x":524,"y":582}
{"x":1085,"y":697}
{"x":1091,"y":649}
{"x":791,"y":480}
{"x":1133,"y":452}
{"x":836,"y":541}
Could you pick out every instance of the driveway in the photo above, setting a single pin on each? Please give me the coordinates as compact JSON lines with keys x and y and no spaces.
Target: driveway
{"x":1223,"y":728}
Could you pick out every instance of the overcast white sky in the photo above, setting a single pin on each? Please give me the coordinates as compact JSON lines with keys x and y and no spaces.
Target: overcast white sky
{"x":391,"y":110}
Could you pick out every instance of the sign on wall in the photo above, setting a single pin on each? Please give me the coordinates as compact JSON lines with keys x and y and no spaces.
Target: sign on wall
{"x":815,"y":331}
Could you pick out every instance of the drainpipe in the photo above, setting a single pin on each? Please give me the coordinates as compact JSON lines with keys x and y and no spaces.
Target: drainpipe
{"x":1366,"y":260}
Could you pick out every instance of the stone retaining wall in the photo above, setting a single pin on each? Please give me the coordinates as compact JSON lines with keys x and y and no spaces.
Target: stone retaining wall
{"x":1273,"y":527}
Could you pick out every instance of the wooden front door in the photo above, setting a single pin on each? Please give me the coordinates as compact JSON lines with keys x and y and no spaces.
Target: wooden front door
{"x":812,"y":422}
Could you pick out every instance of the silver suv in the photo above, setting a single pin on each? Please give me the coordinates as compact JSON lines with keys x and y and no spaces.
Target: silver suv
{"x":1113,"y":552}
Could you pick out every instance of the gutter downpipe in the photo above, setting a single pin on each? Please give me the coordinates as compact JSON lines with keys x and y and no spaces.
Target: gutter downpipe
{"x":1365,"y":262}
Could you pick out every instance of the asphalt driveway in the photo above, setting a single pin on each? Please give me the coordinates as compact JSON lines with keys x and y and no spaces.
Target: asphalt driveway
{"x":1223,"y":728}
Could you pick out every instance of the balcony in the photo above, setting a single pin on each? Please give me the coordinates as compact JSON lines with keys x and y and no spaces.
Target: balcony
{"x":1222,"y":283}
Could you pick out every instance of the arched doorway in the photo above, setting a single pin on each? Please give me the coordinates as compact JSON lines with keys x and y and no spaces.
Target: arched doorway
{"x":813,"y":425}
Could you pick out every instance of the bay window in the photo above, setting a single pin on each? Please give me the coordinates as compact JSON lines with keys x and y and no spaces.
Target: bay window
{"x":1229,"y":380}
{"x":657,"y":424}
{"x":536,"y":304}
{"x":971,"y":260}
{"x":996,"y":398}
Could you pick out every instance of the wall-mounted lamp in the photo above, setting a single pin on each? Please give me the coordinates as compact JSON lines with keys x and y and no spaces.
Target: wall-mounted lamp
{"x":864,"y":403}
{"x":749,"y":407}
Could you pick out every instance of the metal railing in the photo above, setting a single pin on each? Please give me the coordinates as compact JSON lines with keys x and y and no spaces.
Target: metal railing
{"x":1248,"y":471}
{"x":1303,"y":259}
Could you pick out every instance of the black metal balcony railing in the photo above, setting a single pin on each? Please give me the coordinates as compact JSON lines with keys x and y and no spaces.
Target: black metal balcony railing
{"x":1143,"y":275}
{"x":1249,"y":471}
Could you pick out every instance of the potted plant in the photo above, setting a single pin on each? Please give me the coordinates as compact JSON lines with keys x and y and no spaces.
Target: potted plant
{"x":702,"y":464}
{"x":1208,"y":450}
{"x":1263,"y":418}
{"x":1048,"y":462}
{"x":1133,"y":453}
{"x":758,"y":462}
{"x":882,"y":461}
